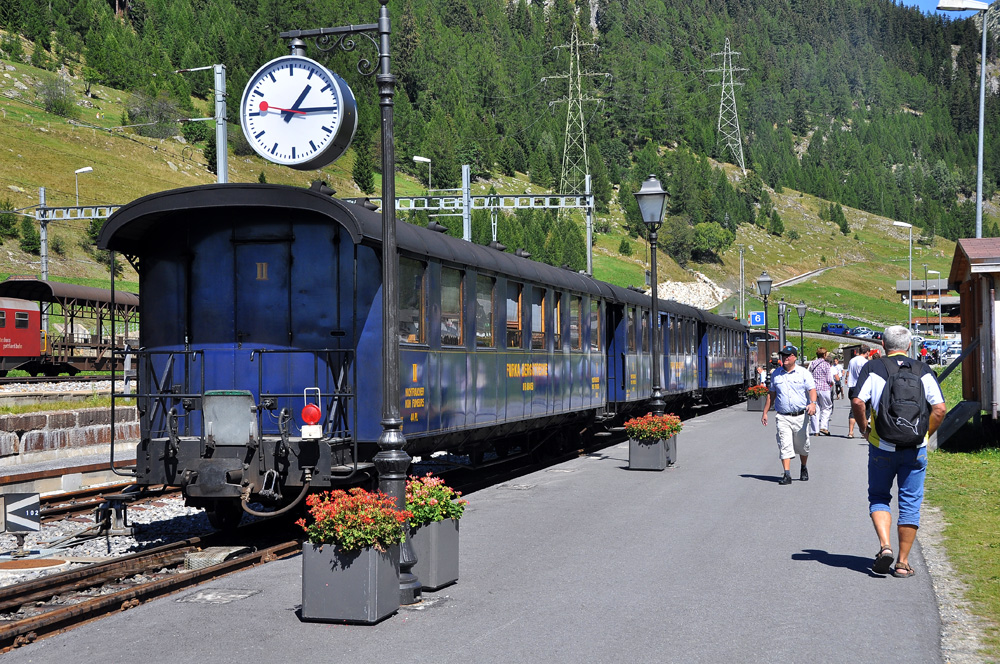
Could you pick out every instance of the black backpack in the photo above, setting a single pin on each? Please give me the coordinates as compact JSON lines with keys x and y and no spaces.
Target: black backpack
{"x":903,"y":415}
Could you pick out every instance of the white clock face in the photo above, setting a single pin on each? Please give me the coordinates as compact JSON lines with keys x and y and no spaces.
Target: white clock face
{"x":298,"y":113}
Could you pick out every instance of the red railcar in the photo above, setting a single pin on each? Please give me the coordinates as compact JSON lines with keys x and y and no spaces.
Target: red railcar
{"x":20,"y":333}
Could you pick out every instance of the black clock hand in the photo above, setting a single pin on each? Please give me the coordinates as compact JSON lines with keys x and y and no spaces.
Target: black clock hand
{"x":318,"y":108}
{"x":287,"y":115}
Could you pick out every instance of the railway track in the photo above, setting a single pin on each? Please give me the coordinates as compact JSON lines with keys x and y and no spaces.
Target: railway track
{"x":52,"y":604}
{"x":29,"y":380}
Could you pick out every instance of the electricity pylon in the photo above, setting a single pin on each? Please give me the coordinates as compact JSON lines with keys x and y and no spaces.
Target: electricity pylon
{"x":575,"y":163}
{"x":729,"y":121}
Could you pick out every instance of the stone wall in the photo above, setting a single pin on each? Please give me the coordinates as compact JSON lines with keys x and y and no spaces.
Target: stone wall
{"x":31,"y":433}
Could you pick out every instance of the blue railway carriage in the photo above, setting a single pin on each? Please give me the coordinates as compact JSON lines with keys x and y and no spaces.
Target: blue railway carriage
{"x":260,"y":366}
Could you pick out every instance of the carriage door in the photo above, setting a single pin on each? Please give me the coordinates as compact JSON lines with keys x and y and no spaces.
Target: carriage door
{"x":262,"y":305}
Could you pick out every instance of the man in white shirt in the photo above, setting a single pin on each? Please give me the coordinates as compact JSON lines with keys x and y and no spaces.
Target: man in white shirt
{"x":793,"y":393}
{"x":897,"y":450}
{"x":854,"y":368}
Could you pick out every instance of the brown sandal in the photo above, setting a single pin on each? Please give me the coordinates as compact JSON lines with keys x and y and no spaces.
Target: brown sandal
{"x":883,"y":561}
{"x":902,"y":571}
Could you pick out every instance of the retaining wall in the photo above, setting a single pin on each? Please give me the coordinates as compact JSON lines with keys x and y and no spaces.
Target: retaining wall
{"x":49,"y":435}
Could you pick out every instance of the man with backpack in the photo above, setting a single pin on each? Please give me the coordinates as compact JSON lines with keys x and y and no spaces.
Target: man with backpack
{"x":906,"y":407}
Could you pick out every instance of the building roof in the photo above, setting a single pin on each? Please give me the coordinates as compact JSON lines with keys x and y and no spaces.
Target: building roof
{"x":933,"y":320}
{"x":974,"y":255}
{"x":920,"y":286}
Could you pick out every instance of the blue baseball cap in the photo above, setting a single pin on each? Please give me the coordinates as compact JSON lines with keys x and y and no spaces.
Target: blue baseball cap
{"x":789,"y":350}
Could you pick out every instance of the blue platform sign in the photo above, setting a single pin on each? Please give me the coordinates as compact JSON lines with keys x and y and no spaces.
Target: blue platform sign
{"x":756,"y":317}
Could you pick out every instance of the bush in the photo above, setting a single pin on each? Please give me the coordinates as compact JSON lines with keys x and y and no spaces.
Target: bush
{"x":31,"y":241}
{"x":57,"y":96}
{"x":159,"y":115}
{"x":194,"y":132}
{"x":625,"y":248}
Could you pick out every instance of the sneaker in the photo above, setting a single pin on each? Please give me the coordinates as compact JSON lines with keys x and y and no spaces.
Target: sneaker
{"x":804,"y":475}
{"x":785,"y":480}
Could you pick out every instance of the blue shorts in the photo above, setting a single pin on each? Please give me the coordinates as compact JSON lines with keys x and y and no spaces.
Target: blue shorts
{"x":907,"y":467}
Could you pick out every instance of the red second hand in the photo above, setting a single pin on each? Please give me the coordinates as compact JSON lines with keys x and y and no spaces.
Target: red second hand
{"x":264,"y":106}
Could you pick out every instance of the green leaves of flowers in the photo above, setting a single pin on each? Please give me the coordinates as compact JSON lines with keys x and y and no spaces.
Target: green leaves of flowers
{"x":354,"y":519}
{"x":653,"y":427}
{"x":429,"y":499}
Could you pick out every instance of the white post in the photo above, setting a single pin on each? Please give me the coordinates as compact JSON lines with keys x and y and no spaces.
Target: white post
{"x":221,"y":130}
{"x":590,"y":227}
{"x":466,"y":202}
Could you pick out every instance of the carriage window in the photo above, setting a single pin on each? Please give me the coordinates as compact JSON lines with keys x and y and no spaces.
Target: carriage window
{"x":645,"y":331}
{"x":513,"y":315}
{"x":537,"y":318}
{"x":574,"y":323}
{"x":411,"y":301}
{"x":557,"y":320}
{"x":3,"y":319}
{"x":484,"y":311}
{"x":20,"y":320}
{"x":595,"y":325}
{"x":692,"y":336}
{"x":630,"y":328}
{"x":452,"y":333}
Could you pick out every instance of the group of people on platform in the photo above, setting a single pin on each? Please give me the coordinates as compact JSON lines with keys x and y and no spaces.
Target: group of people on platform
{"x":896,"y":403}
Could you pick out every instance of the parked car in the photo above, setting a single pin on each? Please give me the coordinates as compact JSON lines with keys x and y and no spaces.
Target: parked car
{"x":833,"y":328}
{"x":760,"y":335}
{"x":917,"y":340}
{"x":877,"y":336}
{"x":861,"y":332}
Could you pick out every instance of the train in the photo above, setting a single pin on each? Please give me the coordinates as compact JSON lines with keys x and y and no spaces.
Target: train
{"x":79,"y":334}
{"x":259,"y":363}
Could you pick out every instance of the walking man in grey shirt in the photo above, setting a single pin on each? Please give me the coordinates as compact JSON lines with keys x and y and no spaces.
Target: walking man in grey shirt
{"x":793,"y":393}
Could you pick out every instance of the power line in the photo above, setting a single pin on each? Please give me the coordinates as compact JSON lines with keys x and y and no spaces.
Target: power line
{"x":729,"y":121}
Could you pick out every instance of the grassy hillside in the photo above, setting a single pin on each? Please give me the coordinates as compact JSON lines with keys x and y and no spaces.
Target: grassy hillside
{"x":44,"y":150}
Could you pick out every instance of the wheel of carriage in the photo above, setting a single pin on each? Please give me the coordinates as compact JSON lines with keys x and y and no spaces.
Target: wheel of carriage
{"x":224,"y":514}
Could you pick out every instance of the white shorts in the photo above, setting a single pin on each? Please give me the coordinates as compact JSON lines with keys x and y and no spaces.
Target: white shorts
{"x":792,"y":435}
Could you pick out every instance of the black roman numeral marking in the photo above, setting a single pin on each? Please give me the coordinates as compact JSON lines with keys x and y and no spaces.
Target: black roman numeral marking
{"x":259,"y":135}
{"x":327,"y":130}
{"x":312,"y":145}
{"x":273,"y":79}
{"x":258,"y":92}
{"x":274,"y":149}
{"x":293,"y":153}
{"x":325,"y":88}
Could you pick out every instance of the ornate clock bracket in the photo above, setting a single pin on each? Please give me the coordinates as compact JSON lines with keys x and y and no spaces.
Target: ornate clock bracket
{"x":330,"y":39}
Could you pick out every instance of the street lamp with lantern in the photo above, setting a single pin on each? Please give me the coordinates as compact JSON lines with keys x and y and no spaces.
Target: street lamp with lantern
{"x":764,"y":288}
{"x":909,"y":278}
{"x":425,"y":160}
{"x":962,"y":6}
{"x":76,"y":174}
{"x":801,"y":309}
{"x":940,"y":326}
{"x":652,"y":199}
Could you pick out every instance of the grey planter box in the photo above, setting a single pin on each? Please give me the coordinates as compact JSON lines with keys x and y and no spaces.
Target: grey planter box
{"x":652,"y":455}
{"x":756,"y":404}
{"x":349,"y":587}
{"x":436,"y":548}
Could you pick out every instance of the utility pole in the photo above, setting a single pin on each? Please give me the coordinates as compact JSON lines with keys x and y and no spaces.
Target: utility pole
{"x":743,"y":312}
{"x":43,"y":237}
{"x":574,"y":177}
{"x":221,"y":129}
{"x":729,"y":121}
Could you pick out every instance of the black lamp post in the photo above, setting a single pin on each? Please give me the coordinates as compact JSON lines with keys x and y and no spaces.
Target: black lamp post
{"x":764,"y":288}
{"x":782,"y":323}
{"x":391,"y":462}
{"x":801,"y":309}
{"x":652,"y":199}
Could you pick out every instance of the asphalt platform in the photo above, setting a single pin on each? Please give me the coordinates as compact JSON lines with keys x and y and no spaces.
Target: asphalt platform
{"x":588,"y":561}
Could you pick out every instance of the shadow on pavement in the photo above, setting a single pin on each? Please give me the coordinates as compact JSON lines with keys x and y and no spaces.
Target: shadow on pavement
{"x":855,"y":563}
{"x":763,"y":478}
